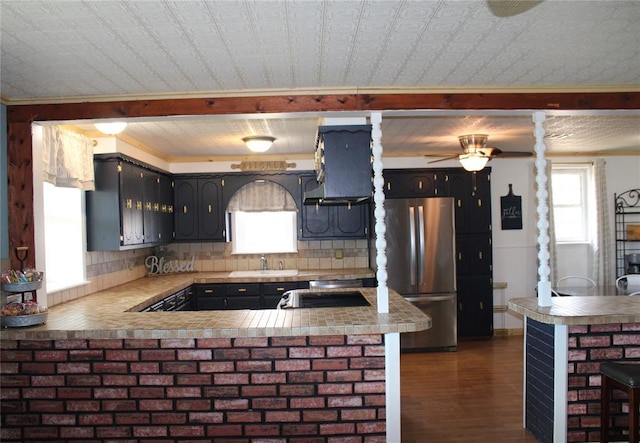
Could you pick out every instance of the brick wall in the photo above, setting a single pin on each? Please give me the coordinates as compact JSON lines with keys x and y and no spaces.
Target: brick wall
{"x":588,"y":346}
{"x":293,"y":389}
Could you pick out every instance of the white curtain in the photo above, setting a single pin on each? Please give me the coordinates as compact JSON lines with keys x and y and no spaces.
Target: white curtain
{"x":262,"y":196}
{"x":67,"y":159}
{"x":602,"y":236}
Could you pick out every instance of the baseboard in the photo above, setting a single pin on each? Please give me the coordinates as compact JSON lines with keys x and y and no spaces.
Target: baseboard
{"x":515,"y":332}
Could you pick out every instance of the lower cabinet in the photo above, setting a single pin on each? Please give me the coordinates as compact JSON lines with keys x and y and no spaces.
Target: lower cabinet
{"x":475,"y":306}
{"x":182,"y":300}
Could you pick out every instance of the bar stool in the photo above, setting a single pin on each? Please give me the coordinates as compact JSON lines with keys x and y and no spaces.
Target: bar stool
{"x":625,"y":377}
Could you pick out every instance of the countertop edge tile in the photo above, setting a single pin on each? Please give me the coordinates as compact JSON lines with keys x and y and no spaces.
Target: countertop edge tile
{"x":580,"y":310}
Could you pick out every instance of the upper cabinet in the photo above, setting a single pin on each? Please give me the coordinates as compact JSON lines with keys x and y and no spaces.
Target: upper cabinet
{"x":199,"y":214}
{"x":472,"y":194}
{"x":130,"y":206}
{"x":403,"y":183}
{"x":331,"y":222}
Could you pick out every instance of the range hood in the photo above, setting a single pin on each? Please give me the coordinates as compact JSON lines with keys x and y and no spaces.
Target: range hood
{"x":343,"y":166}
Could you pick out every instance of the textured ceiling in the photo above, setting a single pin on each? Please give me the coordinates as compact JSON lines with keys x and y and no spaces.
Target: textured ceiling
{"x":57,"y":51}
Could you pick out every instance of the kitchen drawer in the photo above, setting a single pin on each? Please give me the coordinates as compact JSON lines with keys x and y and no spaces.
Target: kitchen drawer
{"x":279,"y":288}
{"x":210,"y":290}
{"x":232,"y":289}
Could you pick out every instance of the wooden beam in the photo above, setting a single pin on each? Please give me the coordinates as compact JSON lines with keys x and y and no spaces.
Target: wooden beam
{"x":323,"y":103}
{"x":20,"y":190}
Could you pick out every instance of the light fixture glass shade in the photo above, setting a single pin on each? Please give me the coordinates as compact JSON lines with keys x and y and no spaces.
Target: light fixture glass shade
{"x":473,"y":162}
{"x":258,"y":143}
{"x":473,"y":142}
{"x":111,"y":128}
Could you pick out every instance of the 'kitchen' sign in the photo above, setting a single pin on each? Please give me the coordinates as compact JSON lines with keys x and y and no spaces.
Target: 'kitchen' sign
{"x":161,"y":266}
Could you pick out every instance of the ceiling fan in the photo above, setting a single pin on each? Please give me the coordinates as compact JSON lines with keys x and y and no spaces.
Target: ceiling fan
{"x":476,"y":152}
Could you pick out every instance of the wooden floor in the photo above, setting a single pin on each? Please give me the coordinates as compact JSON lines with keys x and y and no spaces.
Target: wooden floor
{"x":472,"y":395}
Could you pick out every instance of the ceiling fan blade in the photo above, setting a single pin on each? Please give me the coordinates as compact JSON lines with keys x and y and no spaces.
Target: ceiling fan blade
{"x":513,"y":154}
{"x":491,"y":151}
{"x":443,"y":159}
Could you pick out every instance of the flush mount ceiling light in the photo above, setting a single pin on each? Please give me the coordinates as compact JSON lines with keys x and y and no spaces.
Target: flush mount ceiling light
{"x":473,"y":162}
{"x":111,"y":128}
{"x":258,"y":143}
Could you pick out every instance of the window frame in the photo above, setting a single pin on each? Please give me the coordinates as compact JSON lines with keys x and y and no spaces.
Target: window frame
{"x":585,"y":173}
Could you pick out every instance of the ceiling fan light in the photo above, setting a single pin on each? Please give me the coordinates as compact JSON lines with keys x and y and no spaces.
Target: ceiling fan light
{"x":473,"y":163}
{"x":473,"y":142}
{"x":258,"y":143}
{"x":111,"y":128}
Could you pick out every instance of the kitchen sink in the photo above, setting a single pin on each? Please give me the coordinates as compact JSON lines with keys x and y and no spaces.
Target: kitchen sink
{"x":265,"y":273}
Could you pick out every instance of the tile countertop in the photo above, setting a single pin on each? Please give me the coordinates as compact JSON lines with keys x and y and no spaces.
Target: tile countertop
{"x":112,"y":313}
{"x":586,"y":310}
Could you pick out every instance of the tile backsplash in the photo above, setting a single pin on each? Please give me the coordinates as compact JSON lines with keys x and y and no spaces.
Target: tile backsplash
{"x":106,"y":269}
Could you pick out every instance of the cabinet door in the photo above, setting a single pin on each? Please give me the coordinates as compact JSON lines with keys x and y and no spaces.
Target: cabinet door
{"x":151,"y":206}
{"x":475,"y":306}
{"x":211,"y":215}
{"x":316,"y":222}
{"x":132,"y":204}
{"x":185,"y":211}
{"x":166,"y":208}
{"x":350,"y":221}
{"x":472,"y":194}
{"x":210,"y":297}
{"x":243,"y":302}
{"x":473,"y":254}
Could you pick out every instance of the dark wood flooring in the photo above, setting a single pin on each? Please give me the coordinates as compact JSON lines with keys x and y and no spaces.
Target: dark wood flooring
{"x":472,"y":395}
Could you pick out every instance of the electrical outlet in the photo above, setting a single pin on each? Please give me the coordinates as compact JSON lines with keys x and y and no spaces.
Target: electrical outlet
{"x":339,"y":254}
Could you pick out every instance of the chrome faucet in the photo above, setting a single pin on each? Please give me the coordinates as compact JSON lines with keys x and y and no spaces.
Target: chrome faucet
{"x":265,"y":265}
{"x":281,"y":265}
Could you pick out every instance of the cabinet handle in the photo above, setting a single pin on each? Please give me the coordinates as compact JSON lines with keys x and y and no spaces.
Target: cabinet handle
{"x":208,"y":291}
{"x":184,"y":209}
{"x":459,"y":306}
{"x":242,"y":289}
{"x":459,"y":203}
{"x":388,"y":186}
{"x":479,"y":202}
{"x":420,"y":184}
{"x":481,"y":305}
{"x":279,"y":289}
{"x":349,"y":206}
{"x":480,"y":255}
{"x":459,"y":256}
{"x":209,"y":209}
{"x":225,"y":303}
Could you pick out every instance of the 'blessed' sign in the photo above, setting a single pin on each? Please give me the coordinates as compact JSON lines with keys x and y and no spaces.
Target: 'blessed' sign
{"x":161,"y":266}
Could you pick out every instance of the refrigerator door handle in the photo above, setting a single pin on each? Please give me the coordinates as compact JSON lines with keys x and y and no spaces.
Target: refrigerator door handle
{"x":421,"y":245}
{"x":412,"y":231}
{"x":435,"y":298}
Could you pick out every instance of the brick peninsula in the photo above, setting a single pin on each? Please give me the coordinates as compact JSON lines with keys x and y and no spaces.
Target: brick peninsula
{"x":564,"y":346}
{"x":100,"y":370}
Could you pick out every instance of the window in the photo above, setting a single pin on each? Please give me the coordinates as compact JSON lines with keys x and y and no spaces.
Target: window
{"x":263,"y":232}
{"x":64,"y":237}
{"x":571,"y":185}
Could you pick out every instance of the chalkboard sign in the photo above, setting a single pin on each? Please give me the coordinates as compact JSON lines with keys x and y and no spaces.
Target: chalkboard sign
{"x":511,"y":210}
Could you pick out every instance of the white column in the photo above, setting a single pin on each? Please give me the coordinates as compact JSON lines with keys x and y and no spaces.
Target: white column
{"x":392,"y":386}
{"x":380,"y":227}
{"x":544,"y":285}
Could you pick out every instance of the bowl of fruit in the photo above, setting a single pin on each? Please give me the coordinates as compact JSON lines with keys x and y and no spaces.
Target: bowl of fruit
{"x":21,"y":281}
{"x":20,"y":314}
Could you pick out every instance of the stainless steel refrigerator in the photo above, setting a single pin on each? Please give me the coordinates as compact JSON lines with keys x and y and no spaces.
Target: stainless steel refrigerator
{"x":421,"y":266}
